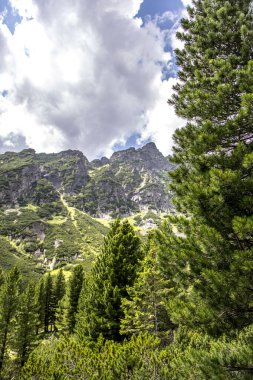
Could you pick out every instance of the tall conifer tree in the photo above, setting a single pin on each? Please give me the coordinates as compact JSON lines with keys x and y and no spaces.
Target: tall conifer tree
{"x":59,"y":292}
{"x":214,"y":157}
{"x":59,"y":287}
{"x":1,"y":277}
{"x":9,"y":294}
{"x":115,"y":269}
{"x":26,"y":320}
{"x":145,"y":309}
{"x":214,"y":150}
{"x":40,"y":304}
{"x":49,"y":309}
{"x":74,"y":290}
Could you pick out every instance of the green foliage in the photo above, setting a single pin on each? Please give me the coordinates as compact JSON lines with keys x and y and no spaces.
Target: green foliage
{"x":145,"y":309}
{"x":213,"y":151}
{"x":29,"y":236}
{"x":74,"y":290}
{"x":40,"y":304}
{"x":197,"y":356}
{"x":60,"y":286}
{"x":9,"y":294}
{"x":50,"y":209}
{"x":209,"y":256}
{"x":194,"y":287}
{"x":16,"y":161}
{"x":210,"y":286}
{"x":44,"y":192}
{"x":114,"y":270}
{"x":26,"y":318}
{"x":10,"y":257}
{"x":14,"y":223}
{"x":191,"y":356}
{"x":106,"y":360}
{"x":49,"y":304}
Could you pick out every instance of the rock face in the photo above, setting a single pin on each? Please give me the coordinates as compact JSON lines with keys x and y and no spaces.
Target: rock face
{"x":21,"y":175}
{"x":130,"y":181}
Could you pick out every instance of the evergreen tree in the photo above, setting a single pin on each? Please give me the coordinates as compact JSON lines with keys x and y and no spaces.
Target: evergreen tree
{"x":59,"y":288}
{"x":115,"y":269}
{"x":74,"y":290}
{"x":59,"y":292}
{"x":145,"y":309}
{"x":193,"y":257}
{"x":68,"y":358}
{"x":9,"y":294}
{"x":213,"y":153}
{"x":40,"y":304}
{"x":26,"y":320}
{"x":49,"y":305}
{"x":1,"y":277}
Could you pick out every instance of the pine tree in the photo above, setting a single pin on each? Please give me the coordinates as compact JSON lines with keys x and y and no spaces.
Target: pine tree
{"x":115,"y":269}
{"x":59,"y":292}
{"x":26,"y":320}
{"x":1,"y":277}
{"x":49,"y":305}
{"x":40,"y":304}
{"x":145,"y":309}
{"x":74,"y":290}
{"x":59,"y":288}
{"x":9,"y":294}
{"x":214,"y":156}
{"x":214,"y":150}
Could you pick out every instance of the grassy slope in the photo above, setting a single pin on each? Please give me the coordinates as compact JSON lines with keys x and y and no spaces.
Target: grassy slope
{"x":36,"y":243}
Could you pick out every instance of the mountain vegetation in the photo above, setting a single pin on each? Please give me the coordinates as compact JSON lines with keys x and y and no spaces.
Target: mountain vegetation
{"x":56,"y":208}
{"x":130,"y":181}
{"x":176,"y":305}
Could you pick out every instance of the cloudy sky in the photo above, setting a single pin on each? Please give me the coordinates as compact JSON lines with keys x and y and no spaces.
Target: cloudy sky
{"x":88,"y":75}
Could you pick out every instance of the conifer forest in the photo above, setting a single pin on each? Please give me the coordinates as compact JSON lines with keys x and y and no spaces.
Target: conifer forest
{"x":177,"y":303}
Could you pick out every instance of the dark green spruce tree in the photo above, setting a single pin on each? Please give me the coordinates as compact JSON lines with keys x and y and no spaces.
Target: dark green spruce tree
{"x":59,"y":292}
{"x":26,"y":320}
{"x":145,"y":308}
{"x":60,"y":286}
{"x":213,"y":182}
{"x":49,"y":304}
{"x":9,"y":297}
{"x":40,"y":304}
{"x":1,"y":277}
{"x":115,"y":269}
{"x":74,"y":290}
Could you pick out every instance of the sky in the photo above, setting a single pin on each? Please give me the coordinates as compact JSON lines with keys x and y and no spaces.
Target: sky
{"x":88,"y":75}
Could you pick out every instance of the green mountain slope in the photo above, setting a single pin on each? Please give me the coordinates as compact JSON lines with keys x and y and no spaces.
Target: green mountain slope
{"x":64,"y":237}
{"x":55,"y":209}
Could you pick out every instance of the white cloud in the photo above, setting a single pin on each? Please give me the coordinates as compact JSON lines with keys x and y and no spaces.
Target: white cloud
{"x":186,"y":2}
{"x":162,"y":120}
{"x":165,"y":17}
{"x":176,"y":43}
{"x":83,"y":75}
{"x":16,"y":120}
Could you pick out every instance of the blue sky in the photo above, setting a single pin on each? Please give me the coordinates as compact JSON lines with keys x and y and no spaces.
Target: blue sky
{"x":147,"y":8}
{"x":12,"y":17}
{"x":93,"y":78}
{"x":150,"y":9}
{"x":153,"y":7}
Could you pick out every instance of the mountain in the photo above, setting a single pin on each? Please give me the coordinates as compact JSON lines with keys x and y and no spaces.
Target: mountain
{"x":130,"y":181}
{"x":54,"y":208}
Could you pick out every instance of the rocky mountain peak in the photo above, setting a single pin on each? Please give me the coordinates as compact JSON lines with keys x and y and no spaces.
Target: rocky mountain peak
{"x":131,"y":180}
{"x":123,"y":155}
{"x":71,"y":153}
{"x":27,"y":152}
{"x":151,"y":146}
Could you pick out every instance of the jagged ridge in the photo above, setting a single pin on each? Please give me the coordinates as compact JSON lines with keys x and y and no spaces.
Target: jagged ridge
{"x":130,"y":181}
